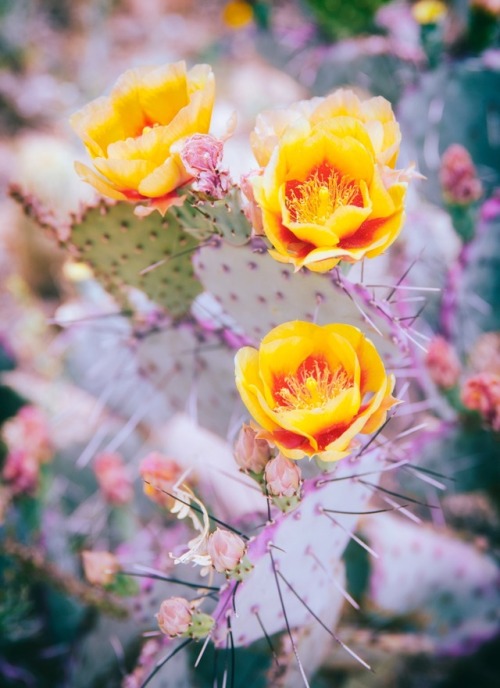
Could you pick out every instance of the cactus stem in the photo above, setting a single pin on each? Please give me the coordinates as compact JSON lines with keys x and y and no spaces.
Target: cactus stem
{"x":351,"y":535}
{"x":323,"y":625}
{"x":280,"y":594}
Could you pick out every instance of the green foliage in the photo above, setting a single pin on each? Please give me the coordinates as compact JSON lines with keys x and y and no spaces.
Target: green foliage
{"x":120,"y":247}
{"x":337,"y":19}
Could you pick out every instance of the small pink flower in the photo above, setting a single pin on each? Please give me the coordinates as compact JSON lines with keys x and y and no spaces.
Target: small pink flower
{"x":226,"y":549}
{"x":458,"y":176}
{"x":202,"y":157}
{"x":485,"y":354}
{"x":282,"y":476}
{"x":482,"y":393}
{"x":443,"y":363}
{"x":113,"y":478}
{"x":175,"y":616}
{"x":21,"y":471}
{"x":100,"y":568}
{"x":159,"y":473}
{"x":251,"y":453}
{"x":28,"y":431}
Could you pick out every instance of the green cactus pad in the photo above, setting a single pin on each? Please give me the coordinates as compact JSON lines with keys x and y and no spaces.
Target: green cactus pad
{"x":221,"y":218}
{"x":119,"y":247}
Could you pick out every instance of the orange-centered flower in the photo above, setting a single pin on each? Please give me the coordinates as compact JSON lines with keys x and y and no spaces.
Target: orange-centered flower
{"x":328,"y":190}
{"x":313,"y":388}
{"x":134,"y":135}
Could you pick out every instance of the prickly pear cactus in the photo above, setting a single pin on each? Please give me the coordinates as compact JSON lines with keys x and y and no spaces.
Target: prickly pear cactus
{"x":419,"y":569}
{"x":152,"y":254}
{"x":296,"y":556}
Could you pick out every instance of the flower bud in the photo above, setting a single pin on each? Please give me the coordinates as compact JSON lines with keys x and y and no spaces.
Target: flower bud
{"x":113,"y":479}
{"x":458,"y":176}
{"x":21,"y":470}
{"x":175,"y":616}
{"x":251,"y":453}
{"x":100,"y":568}
{"x":159,"y":473}
{"x":226,"y":549}
{"x":485,"y":354}
{"x":443,"y":363}
{"x":202,"y":157}
{"x":282,"y":476}
{"x":28,"y":431}
{"x":482,"y":393}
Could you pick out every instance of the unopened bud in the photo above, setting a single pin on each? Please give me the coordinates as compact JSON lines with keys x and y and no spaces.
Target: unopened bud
{"x":100,"y":568}
{"x":442,"y":363}
{"x":177,"y":617}
{"x":251,"y":454}
{"x":113,"y":478}
{"x":159,"y":474}
{"x":282,"y":476}
{"x":458,"y":176}
{"x":174,"y":617}
{"x":482,"y":393}
{"x":226,"y":549}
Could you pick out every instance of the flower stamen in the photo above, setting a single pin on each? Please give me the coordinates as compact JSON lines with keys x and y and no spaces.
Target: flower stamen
{"x":316,"y":198}
{"x":312,"y":386}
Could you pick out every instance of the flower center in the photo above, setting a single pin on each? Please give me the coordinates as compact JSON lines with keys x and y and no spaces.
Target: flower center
{"x":316,"y":198}
{"x":312,"y":386}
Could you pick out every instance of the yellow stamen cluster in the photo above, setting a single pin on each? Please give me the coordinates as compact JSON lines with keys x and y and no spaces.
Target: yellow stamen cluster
{"x":317,"y":198}
{"x":312,"y":388}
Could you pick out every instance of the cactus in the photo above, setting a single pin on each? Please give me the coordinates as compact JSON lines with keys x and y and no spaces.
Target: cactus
{"x":419,"y":569}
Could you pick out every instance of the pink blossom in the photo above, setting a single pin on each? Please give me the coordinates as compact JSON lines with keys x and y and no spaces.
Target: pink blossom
{"x":482,"y":393}
{"x":443,"y":363}
{"x":202,"y":158}
{"x":28,"y":431}
{"x":113,"y":478}
{"x":226,"y":549}
{"x":458,"y":176}
{"x":21,"y":471}
{"x":251,"y":453}
{"x":175,"y":616}
{"x":282,"y":476}
{"x":159,"y":473}
{"x":100,"y":568}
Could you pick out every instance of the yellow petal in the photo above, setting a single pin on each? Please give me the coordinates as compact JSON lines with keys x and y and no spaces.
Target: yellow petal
{"x":98,"y":125}
{"x":164,"y":179}
{"x":248,"y":383}
{"x":124,"y":174}
{"x":100,"y":184}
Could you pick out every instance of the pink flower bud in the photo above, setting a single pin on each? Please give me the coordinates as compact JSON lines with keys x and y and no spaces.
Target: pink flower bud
{"x":100,"y":568}
{"x":175,"y":616}
{"x":113,"y":478}
{"x":28,"y":431}
{"x":443,"y":363}
{"x":251,"y":453}
{"x":159,"y":473}
{"x":482,"y":393}
{"x":21,"y":470}
{"x":226,"y":549}
{"x":283,"y":477}
{"x":202,"y":158}
{"x":458,"y":176}
{"x":485,"y":354}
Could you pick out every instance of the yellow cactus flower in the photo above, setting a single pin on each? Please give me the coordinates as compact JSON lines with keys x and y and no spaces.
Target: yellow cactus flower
{"x":328,"y":190}
{"x":313,"y":388}
{"x":133,"y":135}
{"x":429,"y":11}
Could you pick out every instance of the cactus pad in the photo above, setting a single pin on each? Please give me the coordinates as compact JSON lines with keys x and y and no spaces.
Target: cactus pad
{"x":119,"y":247}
